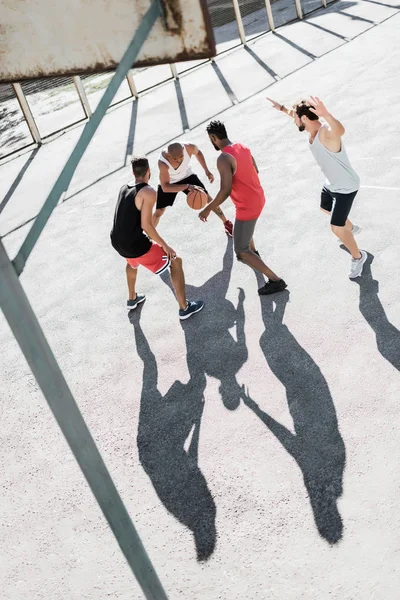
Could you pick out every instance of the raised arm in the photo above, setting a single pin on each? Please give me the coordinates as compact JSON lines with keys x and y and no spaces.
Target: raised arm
{"x":281,"y":108}
{"x":225,"y":167}
{"x":165,"y":183}
{"x":148,"y":196}
{"x":193,"y":150}
{"x":336,"y":129}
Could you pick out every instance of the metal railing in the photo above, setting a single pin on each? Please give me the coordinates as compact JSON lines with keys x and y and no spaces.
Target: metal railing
{"x":235,"y":22}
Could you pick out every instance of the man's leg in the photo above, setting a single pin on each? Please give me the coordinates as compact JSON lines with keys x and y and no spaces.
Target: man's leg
{"x":348,"y":225}
{"x":134,"y":299}
{"x":348,"y":240}
{"x":164,"y":199}
{"x":187,"y":309}
{"x":158,"y":213}
{"x":228,"y":226}
{"x":218,"y":211}
{"x":178,"y":282}
{"x":328,"y":205}
{"x":243,"y":238}
{"x":339,"y":220}
{"x":131,"y":275}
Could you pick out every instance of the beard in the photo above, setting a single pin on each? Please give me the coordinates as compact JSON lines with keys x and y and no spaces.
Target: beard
{"x":302,"y":127}
{"x":215,"y":147}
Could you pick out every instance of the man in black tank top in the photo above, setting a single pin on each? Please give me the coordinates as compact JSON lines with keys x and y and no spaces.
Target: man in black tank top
{"x":135,"y":238}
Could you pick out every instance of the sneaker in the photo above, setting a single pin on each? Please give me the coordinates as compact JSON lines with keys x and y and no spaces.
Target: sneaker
{"x":132,"y":304}
{"x":271,"y":287}
{"x":191,"y":309}
{"x":357,"y":265}
{"x":228,"y":228}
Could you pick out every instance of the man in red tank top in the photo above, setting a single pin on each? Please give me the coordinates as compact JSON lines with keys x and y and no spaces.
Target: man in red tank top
{"x":240,"y":181}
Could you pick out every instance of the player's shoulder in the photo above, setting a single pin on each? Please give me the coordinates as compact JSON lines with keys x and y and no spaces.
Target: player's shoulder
{"x":243,"y":147}
{"x":148,"y":190}
{"x":190,"y":147}
{"x":325,"y":131}
{"x":225,"y":158}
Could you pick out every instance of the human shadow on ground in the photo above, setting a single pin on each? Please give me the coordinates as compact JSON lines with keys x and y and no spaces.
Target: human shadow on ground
{"x":169,"y":423}
{"x":211,"y":349}
{"x":387,"y":336}
{"x":165,"y":424}
{"x":316,"y":445}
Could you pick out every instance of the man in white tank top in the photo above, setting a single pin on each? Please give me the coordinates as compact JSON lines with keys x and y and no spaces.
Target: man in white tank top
{"x":342,"y":182}
{"x":176,"y":176}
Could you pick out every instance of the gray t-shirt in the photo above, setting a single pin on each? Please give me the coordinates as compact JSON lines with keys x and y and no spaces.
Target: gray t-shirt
{"x":340,"y":175}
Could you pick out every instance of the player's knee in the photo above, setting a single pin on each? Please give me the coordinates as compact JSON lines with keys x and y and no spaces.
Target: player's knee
{"x":176,"y":263}
{"x":241,"y":254}
{"x":337,"y":229}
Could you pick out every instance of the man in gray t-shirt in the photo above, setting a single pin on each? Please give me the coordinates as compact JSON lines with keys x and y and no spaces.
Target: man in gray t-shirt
{"x":342,"y":182}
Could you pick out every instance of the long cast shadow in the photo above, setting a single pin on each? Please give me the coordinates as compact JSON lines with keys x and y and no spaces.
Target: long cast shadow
{"x":18,"y":179}
{"x":169,"y":423}
{"x":387,"y":336}
{"x":165,"y":424}
{"x":316,"y":445}
{"x":211,"y":348}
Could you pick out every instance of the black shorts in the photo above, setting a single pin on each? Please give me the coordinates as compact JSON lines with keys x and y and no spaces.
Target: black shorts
{"x":165,"y":199}
{"x":337,"y":204}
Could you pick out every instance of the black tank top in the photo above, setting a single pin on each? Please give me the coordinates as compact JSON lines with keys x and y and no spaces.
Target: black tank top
{"x":127,"y":235}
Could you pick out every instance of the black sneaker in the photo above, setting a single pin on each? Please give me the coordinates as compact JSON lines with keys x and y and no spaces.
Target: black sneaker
{"x":271,"y":287}
{"x":191,"y":309}
{"x":132,"y":304}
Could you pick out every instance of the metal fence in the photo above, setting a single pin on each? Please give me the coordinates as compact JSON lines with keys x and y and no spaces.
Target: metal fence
{"x":34,"y":110}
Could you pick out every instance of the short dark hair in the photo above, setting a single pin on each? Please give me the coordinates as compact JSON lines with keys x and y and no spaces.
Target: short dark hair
{"x":218,"y":129}
{"x":304,"y":109}
{"x":140,"y":166}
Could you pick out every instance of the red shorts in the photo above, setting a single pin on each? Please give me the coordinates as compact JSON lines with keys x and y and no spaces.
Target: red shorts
{"x":155,"y":260}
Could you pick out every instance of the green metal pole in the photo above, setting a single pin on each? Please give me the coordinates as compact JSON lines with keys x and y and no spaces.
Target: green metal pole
{"x":41,"y":360}
{"x":64,"y":179}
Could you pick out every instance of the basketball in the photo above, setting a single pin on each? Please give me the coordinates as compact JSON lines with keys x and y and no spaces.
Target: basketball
{"x":197,"y":199}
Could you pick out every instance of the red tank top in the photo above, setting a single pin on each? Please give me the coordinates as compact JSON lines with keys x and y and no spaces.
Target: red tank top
{"x":247,"y":194}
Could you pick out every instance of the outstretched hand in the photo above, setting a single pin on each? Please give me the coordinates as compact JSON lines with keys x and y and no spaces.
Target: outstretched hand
{"x":319,"y":107}
{"x":275,"y":105}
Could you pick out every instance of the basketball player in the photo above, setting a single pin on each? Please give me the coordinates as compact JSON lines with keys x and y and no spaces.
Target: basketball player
{"x":342,"y":182}
{"x":176,"y":175}
{"x":135,"y":237}
{"x":239,"y":180}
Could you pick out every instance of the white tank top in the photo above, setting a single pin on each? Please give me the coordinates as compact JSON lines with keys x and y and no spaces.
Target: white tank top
{"x":340,"y":175}
{"x":184,"y":170}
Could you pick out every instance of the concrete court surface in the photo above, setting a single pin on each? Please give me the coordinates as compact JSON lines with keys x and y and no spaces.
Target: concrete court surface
{"x":294,"y":492}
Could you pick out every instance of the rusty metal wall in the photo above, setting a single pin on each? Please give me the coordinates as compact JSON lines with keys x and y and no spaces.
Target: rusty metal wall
{"x":45,"y":94}
{"x":34,"y":43}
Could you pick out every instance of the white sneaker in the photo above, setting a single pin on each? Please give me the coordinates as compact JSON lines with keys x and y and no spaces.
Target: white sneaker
{"x":357,"y":265}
